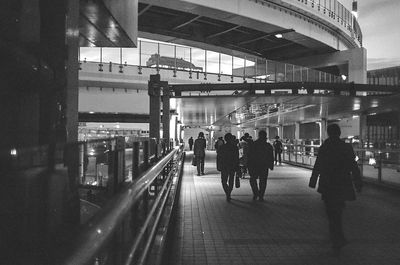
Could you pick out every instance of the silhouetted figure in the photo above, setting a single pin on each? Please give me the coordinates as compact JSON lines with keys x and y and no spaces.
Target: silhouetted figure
{"x":261,"y":158}
{"x":218,"y":143}
{"x":278,"y":147}
{"x":190,"y":143}
{"x":337,"y":170}
{"x":228,"y":159}
{"x":244,"y":143}
{"x":200,"y":153}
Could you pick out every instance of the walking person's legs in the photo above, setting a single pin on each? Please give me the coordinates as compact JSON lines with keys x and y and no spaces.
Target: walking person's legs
{"x":334,"y":210}
{"x":198,"y":165}
{"x":202,"y":165}
{"x":254,"y":186}
{"x":263,"y":187}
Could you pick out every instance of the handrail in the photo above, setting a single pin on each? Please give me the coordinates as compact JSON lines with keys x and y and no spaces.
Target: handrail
{"x":98,"y":231}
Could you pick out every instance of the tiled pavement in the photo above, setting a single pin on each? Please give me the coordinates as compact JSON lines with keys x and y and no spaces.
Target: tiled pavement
{"x":289,"y":227}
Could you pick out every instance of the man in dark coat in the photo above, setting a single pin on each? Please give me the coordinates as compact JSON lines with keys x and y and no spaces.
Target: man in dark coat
{"x":228,"y":159}
{"x":261,"y":158}
{"x":337,"y":170}
{"x":200,"y":153}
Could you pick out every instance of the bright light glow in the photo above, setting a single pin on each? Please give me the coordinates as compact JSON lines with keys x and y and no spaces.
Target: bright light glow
{"x":344,"y":77}
{"x":372,"y":161}
{"x":91,"y":112}
{"x":355,"y":116}
{"x":355,"y":14}
{"x":357,"y":158}
{"x":13,"y":152}
{"x":279,"y":36}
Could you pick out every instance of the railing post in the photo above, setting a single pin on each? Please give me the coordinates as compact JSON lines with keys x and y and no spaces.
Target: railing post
{"x":146,"y":154}
{"x":135,"y":160}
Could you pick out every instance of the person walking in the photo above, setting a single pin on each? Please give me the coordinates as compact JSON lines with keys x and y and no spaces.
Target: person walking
{"x":260,"y":160}
{"x":337,"y":171}
{"x":200,"y":153}
{"x":228,"y":159}
{"x":190,"y":143}
{"x":218,"y":143}
{"x":278,"y":147}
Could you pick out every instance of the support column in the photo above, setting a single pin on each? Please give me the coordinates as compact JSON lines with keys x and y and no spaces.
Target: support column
{"x":166,"y":116}
{"x":154,"y":93}
{"x":322,"y":130}
{"x":176,"y":131}
{"x":296,"y":132}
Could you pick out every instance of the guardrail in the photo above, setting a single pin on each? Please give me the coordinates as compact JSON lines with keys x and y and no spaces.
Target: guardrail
{"x":122,"y":232}
{"x":49,"y":191}
{"x":332,"y":10}
{"x":377,"y":165}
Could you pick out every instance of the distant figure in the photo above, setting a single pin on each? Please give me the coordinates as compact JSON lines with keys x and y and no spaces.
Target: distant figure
{"x":261,"y":158}
{"x":244,"y":143}
{"x":228,"y":159}
{"x":219,"y":143}
{"x":337,"y":170}
{"x":278,"y":147}
{"x":199,"y":152}
{"x":190,"y":143}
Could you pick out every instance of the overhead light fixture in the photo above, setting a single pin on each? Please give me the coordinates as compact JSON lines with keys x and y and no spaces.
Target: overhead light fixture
{"x":279,"y":36}
{"x":344,"y":77}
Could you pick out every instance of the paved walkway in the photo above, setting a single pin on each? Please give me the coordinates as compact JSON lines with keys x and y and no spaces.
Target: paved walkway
{"x":289,"y":227}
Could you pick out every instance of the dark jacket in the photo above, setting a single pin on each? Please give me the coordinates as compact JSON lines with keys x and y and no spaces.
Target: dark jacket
{"x":278,"y":146}
{"x":260,"y":158}
{"x":337,"y":170}
{"x":199,"y":147}
{"x":228,"y":157}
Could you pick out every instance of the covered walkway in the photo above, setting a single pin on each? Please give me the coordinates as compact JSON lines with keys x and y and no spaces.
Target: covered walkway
{"x":289,"y":227}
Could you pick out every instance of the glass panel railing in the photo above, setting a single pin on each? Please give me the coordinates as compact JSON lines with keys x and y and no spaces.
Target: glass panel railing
{"x":180,"y":58}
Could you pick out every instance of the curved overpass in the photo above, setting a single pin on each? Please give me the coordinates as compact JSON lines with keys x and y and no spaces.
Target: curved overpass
{"x":250,"y":26}
{"x":314,"y":32}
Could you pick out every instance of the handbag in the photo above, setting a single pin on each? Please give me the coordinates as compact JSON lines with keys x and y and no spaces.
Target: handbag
{"x":237,"y":180}
{"x":194,"y":161}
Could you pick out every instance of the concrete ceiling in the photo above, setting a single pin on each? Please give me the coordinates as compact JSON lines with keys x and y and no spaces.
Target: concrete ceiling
{"x":262,"y":111}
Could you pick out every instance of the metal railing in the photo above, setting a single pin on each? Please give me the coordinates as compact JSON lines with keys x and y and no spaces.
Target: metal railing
{"x":195,"y":62}
{"x":333,"y":11}
{"x":120,"y":184}
{"x":122,"y":232}
{"x":377,"y":165}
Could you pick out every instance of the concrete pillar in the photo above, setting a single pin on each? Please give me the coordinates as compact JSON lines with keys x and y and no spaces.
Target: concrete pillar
{"x":176,"y":131}
{"x":280,"y":131}
{"x":154,"y":93}
{"x":322,"y":130}
{"x":297,"y":131}
{"x":166,"y":116}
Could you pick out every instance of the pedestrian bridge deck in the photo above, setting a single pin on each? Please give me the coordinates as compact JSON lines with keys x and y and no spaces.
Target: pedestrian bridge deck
{"x":289,"y":227}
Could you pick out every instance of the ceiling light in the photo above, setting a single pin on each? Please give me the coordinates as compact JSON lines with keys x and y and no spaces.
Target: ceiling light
{"x":279,"y":36}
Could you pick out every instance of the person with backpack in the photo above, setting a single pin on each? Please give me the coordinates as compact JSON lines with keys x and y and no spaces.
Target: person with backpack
{"x":278,"y":148}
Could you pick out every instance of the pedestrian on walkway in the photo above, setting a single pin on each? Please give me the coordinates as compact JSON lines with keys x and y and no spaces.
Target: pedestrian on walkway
{"x":228,"y":159}
{"x":218,"y":143}
{"x":190,"y":143}
{"x":200,"y":153}
{"x":260,"y":159}
{"x":278,"y":147}
{"x":337,"y":171}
